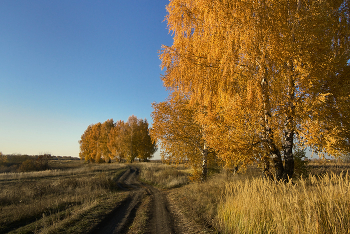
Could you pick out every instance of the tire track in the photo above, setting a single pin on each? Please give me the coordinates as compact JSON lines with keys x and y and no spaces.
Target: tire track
{"x":161,"y":221}
{"x":122,"y":217}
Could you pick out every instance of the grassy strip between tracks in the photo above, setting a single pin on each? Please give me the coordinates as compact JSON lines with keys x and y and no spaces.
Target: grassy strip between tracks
{"x":142,"y":217}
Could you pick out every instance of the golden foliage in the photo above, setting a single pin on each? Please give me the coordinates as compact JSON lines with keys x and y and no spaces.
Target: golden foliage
{"x":262,"y":73}
{"x":120,"y":140}
{"x":179,"y":136}
{"x":175,"y":130}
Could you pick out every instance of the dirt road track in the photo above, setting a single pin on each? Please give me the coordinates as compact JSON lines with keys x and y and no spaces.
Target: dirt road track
{"x":120,"y":219}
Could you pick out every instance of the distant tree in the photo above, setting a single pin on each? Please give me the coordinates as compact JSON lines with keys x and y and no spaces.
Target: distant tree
{"x":39,"y":163}
{"x":27,"y":166}
{"x":42,"y":162}
{"x":145,"y":146}
{"x":131,"y":140}
{"x":3,"y":159}
{"x":120,"y":140}
{"x":103,"y":139}
{"x":85,"y":150}
{"x":115,"y":142}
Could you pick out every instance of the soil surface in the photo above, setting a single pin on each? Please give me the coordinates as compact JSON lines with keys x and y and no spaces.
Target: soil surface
{"x":164,"y":216}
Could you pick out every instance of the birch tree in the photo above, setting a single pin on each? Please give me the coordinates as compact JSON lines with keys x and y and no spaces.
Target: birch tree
{"x":145,"y":146}
{"x":106,"y":128}
{"x":178,"y":135}
{"x":89,"y":144}
{"x":267,"y":72}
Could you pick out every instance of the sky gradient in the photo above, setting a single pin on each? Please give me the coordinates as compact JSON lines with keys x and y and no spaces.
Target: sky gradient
{"x":67,"y":64}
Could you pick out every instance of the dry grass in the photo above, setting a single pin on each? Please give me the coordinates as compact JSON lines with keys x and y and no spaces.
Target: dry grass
{"x":72,"y":200}
{"x":248,"y":203}
{"x":314,"y":205}
{"x":142,"y":218}
{"x":163,"y":175}
{"x":321,"y":167}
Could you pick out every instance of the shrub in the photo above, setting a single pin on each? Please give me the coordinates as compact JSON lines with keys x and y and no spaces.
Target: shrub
{"x":28,"y":165}
{"x":300,"y":163}
{"x":39,"y":164}
{"x":3,"y":159}
{"x":42,"y":162}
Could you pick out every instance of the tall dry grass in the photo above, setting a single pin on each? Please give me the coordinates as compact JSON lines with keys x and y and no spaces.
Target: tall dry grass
{"x":312,"y":205}
{"x":248,"y":203}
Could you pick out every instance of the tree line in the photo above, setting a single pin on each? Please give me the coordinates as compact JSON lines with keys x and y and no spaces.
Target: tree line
{"x":254,"y":81}
{"x":123,"y":141}
{"x":24,"y":163}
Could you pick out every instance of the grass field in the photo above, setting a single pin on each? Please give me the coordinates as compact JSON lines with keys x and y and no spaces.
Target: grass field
{"x":73,"y":197}
{"x":73,"y":200}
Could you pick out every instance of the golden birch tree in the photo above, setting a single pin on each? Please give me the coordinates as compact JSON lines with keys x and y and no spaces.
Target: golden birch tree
{"x":130,"y":140}
{"x":84,"y":146}
{"x":266,"y":72}
{"x":89,"y":144}
{"x":115,"y":141}
{"x":103,"y":139}
{"x":145,"y":146}
{"x":179,"y":137}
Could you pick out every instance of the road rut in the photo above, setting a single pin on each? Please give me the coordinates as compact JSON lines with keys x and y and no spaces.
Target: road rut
{"x":120,"y":219}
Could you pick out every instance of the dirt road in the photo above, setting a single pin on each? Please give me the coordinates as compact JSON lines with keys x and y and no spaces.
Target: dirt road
{"x":121,"y":218}
{"x":163,"y":214}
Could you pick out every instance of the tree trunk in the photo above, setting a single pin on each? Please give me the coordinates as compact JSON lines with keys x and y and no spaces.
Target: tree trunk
{"x":204,"y":163}
{"x":268,"y":132}
{"x":288,"y":155}
{"x":289,"y":129}
{"x":277,"y":161}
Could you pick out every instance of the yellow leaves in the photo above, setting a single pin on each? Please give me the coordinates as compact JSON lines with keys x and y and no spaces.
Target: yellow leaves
{"x":223,"y":49}
{"x":175,"y":129}
{"x":123,"y":141}
{"x":323,"y":97}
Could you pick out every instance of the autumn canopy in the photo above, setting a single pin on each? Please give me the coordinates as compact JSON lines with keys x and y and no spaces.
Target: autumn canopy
{"x":121,"y":141}
{"x":259,"y":79}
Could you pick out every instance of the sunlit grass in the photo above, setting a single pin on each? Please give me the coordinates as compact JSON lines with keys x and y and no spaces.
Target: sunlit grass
{"x":50,"y":200}
{"x":163,"y":175}
{"x":312,"y":205}
{"x":248,"y":203}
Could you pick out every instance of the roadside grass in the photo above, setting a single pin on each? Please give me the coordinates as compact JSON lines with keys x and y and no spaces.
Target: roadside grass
{"x":312,"y":205}
{"x":52,"y":201}
{"x":248,"y":203}
{"x":200,"y":200}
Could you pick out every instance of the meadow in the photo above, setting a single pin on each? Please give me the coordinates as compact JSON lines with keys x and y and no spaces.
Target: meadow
{"x":73,"y":197}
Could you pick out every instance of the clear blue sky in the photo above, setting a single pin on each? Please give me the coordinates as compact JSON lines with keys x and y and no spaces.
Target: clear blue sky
{"x":67,"y":64}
